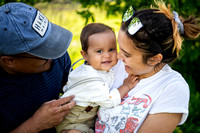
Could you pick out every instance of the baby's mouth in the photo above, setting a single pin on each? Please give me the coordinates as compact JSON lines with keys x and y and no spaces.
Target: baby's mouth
{"x":106,"y":62}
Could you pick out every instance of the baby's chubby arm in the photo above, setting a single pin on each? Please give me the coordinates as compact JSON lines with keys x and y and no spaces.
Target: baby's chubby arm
{"x":129,"y":83}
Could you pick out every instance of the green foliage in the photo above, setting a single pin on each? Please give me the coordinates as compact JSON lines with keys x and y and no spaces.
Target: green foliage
{"x":30,"y":2}
{"x":184,"y":7}
{"x":87,"y":15}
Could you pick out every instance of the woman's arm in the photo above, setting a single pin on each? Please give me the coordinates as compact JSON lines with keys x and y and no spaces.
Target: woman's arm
{"x":160,"y":123}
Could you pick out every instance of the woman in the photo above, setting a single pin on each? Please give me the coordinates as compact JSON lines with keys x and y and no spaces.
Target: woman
{"x":149,"y":40}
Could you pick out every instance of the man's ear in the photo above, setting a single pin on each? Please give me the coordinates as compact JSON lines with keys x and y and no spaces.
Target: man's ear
{"x":7,"y":60}
{"x":84,"y":54}
{"x":155,"y":60}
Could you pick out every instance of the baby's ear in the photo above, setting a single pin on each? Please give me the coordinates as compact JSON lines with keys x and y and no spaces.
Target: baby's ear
{"x":84,"y":54}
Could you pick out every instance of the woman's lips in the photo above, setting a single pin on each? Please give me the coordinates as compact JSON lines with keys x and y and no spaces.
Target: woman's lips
{"x":126,"y":66}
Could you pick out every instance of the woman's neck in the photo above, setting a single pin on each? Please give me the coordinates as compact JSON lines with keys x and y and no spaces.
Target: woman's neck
{"x":154,"y":71}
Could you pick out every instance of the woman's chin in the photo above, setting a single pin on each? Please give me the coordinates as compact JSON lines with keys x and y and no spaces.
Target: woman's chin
{"x":128,"y":70}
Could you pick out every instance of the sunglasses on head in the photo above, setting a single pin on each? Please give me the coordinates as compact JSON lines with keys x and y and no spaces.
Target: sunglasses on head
{"x":135,"y":23}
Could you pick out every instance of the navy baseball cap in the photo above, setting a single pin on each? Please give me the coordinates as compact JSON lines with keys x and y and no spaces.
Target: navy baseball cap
{"x":25,"y":29}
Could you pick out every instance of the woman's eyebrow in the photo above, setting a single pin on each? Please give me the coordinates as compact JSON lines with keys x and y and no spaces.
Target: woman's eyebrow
{"x":126,"y":52}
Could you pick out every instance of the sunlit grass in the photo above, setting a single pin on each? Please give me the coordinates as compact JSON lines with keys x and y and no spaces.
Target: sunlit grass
{"x":65,"y":15}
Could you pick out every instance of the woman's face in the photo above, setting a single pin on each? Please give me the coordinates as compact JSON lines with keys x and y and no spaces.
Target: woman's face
{"x":132,"y":57}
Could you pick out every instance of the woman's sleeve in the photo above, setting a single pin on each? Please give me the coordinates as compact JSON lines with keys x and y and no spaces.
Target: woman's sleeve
{"x":173,"y":99}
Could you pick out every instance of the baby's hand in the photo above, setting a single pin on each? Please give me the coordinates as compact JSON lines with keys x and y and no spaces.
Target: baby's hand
{"x":131,"y":81}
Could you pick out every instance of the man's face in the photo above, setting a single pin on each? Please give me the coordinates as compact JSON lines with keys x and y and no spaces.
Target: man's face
{"x":26,"y":63}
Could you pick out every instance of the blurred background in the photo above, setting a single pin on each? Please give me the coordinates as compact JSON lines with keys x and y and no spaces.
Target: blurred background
{"x":75,"y":14}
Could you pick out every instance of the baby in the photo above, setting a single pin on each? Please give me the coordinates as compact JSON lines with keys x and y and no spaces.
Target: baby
{"x":91,"y":82}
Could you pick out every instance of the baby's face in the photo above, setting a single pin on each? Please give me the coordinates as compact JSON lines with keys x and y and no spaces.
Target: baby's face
{"x":102,"y":51}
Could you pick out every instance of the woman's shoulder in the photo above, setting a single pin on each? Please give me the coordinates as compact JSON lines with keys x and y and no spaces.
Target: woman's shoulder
{"x":165,"y":79}
{"x":172,"y":81}
{"x":172,"y":75}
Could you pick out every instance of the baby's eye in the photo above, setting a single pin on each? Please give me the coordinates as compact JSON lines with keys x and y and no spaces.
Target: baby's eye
{"x":112,"y":49}
{"x":99,"y":51}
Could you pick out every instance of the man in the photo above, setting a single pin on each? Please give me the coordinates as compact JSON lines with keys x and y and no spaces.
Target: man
{"x":34,"y":66}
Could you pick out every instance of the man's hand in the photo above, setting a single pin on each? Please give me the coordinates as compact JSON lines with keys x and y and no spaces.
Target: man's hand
{"x":53,"y":112}
{"x":47,"y":116}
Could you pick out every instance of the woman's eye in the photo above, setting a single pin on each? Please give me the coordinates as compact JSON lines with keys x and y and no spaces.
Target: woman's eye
{"x":126,"y":55}
{"x":99,"y":51}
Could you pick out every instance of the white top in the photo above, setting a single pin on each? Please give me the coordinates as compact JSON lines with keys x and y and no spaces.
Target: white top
{"x":92,"y":87}
{"x":164,"y":92}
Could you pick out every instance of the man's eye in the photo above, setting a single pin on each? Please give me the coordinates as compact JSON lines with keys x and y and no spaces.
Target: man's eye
{"x":99,"y":51}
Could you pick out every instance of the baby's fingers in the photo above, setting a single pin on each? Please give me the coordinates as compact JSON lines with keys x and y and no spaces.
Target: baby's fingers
{"x":133,"y":78}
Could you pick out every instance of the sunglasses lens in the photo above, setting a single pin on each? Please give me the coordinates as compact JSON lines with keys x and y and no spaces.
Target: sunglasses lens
{"x":134,"y":25}
{"x":128,"y":14}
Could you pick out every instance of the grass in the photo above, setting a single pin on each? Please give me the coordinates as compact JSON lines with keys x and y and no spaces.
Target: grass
{"x":65,"y":15}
